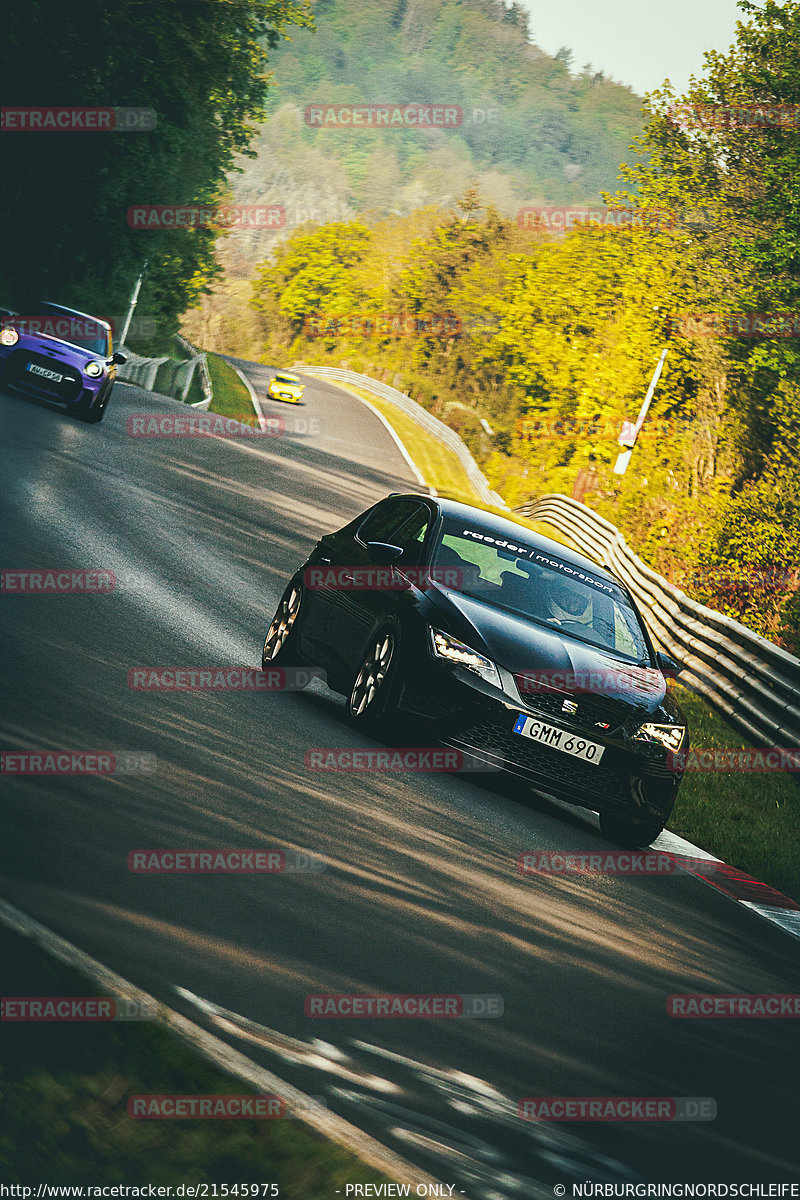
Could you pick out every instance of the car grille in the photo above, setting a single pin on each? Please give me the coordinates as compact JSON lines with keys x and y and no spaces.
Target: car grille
{"x":431,"y":707}
{"x":550,"y":769}
{"x":17,"y":373}
{"x":594,"y":710}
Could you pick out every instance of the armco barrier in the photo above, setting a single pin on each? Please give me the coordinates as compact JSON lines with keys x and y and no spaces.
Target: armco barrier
{"x":423,"y":418}
{"x":169,"y":376}
{"x":754,"y":683}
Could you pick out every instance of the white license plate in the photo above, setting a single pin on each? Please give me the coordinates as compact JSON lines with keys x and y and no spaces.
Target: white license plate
{"x":45,"y":374}
{"x":559,"y":739}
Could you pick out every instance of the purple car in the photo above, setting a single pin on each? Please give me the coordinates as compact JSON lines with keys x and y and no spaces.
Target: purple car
{"x":59,"y":355}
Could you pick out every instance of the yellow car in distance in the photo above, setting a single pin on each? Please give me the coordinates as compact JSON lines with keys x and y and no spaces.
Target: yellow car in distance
{"x":286,"y":387}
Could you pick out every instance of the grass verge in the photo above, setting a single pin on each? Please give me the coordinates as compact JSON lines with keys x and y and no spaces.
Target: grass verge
{"x":64,"y":1088}
{"x":439,"y":466}
{"x":231,"y":397}
{"x":750,"y":819}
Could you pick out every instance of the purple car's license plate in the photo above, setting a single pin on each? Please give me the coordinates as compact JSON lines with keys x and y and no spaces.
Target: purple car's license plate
{"x":45,"y":374}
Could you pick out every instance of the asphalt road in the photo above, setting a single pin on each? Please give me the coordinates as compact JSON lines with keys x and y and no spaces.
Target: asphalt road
{"x":420,"y":893}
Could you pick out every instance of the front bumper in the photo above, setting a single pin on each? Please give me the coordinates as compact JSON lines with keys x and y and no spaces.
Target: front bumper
{"x":633,"y":779}
{"x":74,"y":388}
{"x":288,"y":397}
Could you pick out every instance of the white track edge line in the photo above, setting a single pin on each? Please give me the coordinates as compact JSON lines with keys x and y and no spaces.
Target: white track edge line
{"x":262,"y":421}
{"x":393,"y":432}
{"x":229,"y":1060}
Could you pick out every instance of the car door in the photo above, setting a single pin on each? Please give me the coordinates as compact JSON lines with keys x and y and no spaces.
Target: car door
{"x":318,"y":596}
{"x":360,"y":601}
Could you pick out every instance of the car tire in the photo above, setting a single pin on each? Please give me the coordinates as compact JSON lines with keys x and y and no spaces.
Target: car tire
{"x":373,"y":696}
{"x":93,"y":415}
{"x":280,"y":643}
{"x":627,"y":832}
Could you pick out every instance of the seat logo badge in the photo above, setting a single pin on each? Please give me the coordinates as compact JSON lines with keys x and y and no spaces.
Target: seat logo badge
{"x":569,"y":706}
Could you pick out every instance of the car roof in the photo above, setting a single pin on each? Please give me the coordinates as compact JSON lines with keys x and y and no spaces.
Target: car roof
{"x":506,"y":527}
{"x":74,"y":312}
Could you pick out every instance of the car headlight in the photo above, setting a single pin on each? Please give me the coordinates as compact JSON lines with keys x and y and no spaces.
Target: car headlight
{"x":8,"y":337}
{"x":93,"y":369}
{"x":669,"y":736}
{"x":455,"y":652}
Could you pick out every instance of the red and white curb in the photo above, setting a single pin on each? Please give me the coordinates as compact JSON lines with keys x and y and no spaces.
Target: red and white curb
{"x":759,"y":897}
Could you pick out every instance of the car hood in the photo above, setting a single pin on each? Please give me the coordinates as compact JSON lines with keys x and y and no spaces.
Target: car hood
{"x":54,"y":348}
{"x":547,"y":659}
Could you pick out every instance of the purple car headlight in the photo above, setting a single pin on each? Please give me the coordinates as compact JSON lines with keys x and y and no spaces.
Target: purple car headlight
{"x":94,"y":369}
{"x":8,"y":337}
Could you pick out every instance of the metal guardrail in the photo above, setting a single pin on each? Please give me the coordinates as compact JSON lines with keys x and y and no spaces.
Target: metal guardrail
{"x":169,"y":376}
{"x":423,"y":418}
{"x":753,"y":682}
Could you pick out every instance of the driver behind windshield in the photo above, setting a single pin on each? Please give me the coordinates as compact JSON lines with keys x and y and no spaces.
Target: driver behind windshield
{"x":567,"y":603}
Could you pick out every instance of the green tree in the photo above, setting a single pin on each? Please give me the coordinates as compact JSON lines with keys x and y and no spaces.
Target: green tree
{"x":311,"y":275}
{"x":201,"y":66}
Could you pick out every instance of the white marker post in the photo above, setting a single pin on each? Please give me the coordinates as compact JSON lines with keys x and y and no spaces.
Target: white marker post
{"x":134,"y":298}
{"x":627,"y":439}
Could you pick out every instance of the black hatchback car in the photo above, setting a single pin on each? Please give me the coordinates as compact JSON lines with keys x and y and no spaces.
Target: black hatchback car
{"x":503,"y":643}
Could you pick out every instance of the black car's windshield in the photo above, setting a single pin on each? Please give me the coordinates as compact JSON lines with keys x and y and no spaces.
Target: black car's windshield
{"x":539,"y":586}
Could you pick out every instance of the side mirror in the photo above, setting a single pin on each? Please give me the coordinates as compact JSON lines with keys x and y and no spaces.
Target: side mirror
{"x":667,"y":664}
{"x":383,"y":553}
{"x":118,"y":358}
